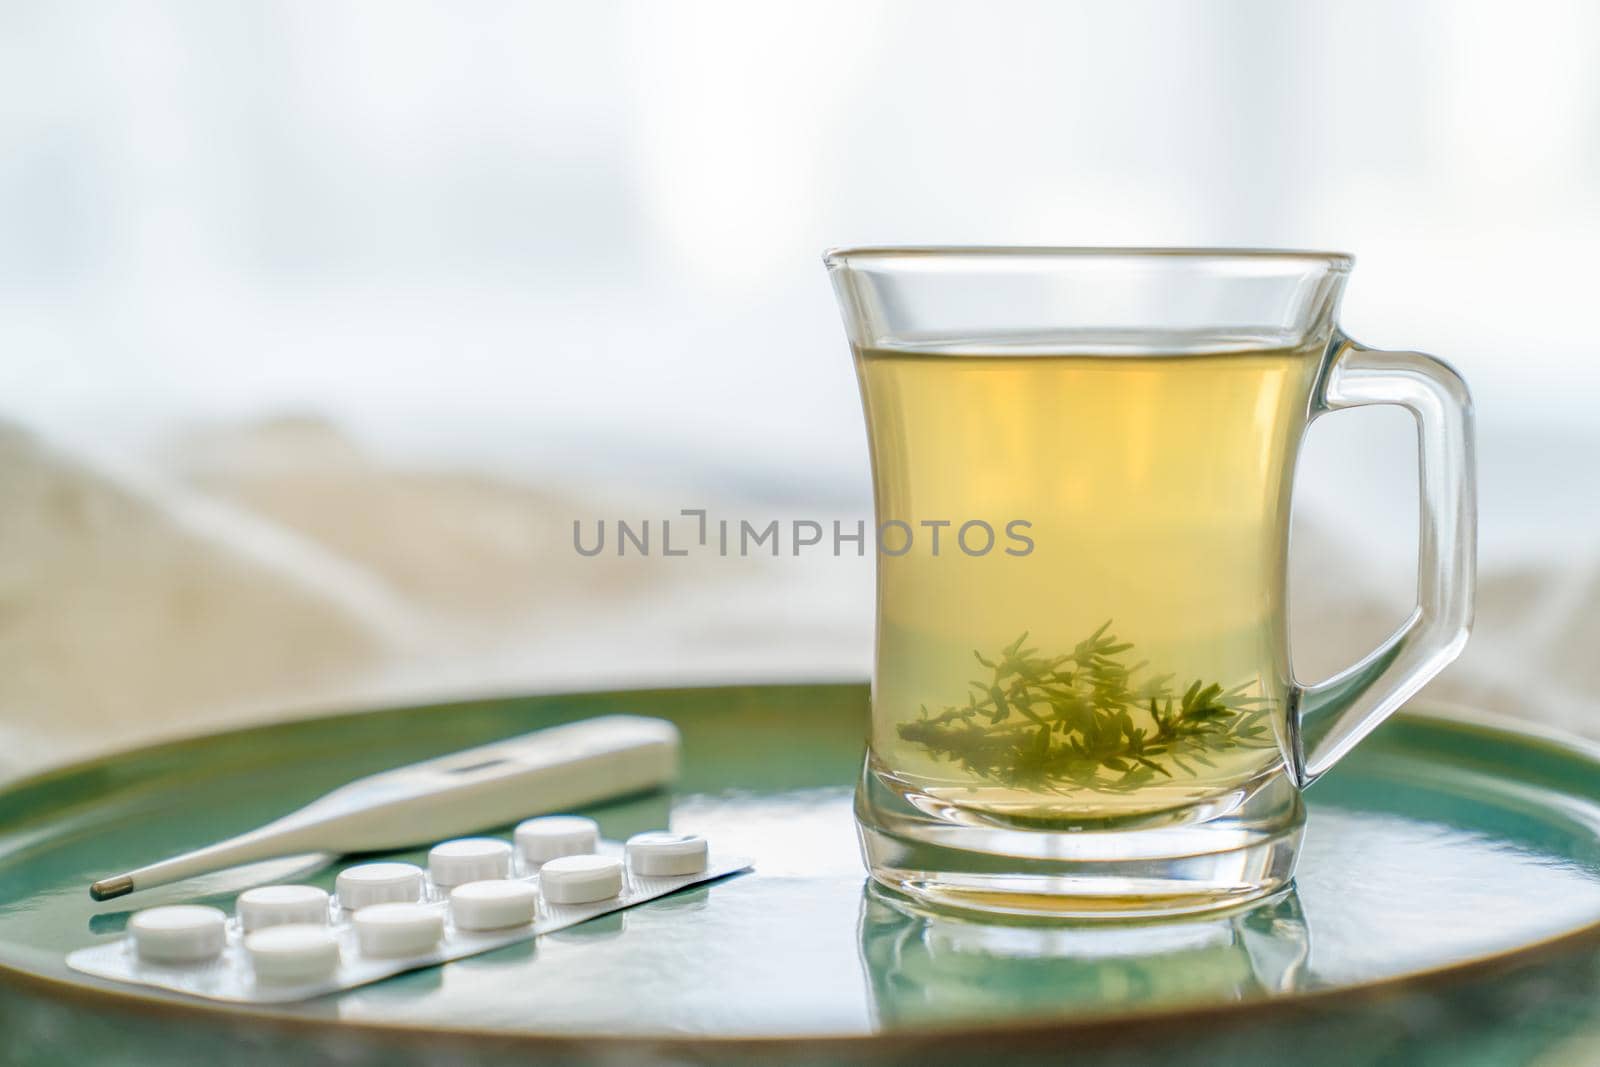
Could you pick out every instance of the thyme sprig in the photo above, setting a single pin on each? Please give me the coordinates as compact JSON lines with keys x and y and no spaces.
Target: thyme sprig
{"x":1082,"y":721}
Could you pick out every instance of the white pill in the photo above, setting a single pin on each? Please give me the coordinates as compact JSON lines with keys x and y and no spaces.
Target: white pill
{"x":400,"y":929}
{"x":179,"y":933}
{"x":580,"y":879}
{"x":542,"y":840}
{"x":493,"y":905}
{"x":279,"y":905}
{"x":293,"y":952}
{"x":378,"y":883}
{"x":661,"y":852}
{"x":469,"y":859}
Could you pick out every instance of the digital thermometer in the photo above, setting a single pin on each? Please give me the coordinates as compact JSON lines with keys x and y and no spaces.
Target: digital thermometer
{"x":554,"y":769}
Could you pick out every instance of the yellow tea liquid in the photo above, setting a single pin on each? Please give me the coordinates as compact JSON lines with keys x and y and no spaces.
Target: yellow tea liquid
{"x":1155,"y":488}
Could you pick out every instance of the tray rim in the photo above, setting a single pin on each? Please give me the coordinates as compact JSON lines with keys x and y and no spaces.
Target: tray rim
{"x":1103,"y":1027}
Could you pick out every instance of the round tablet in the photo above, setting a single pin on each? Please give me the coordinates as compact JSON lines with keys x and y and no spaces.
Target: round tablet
{"x":493,"y":905}
{"x":580,"y":879}
{"x":179,"y":933}
{"x":378,"y":883}
{"x":661,"y":852}
{"x":469,"y":859}
{"x":278,"y":905}
{"x":400,"y":929}
{"x":293,"y":952}
{"x":542,"y":840}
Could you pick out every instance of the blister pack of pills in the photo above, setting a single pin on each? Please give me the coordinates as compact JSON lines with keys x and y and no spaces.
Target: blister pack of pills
{"x":293,"y":942}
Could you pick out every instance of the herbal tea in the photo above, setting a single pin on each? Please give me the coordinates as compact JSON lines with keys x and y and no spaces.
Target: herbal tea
{"x":1131,"y":661}
{"x":1090,"y":716}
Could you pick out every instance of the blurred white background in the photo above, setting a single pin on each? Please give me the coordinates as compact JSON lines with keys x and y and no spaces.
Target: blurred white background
{"x":574,"y":248}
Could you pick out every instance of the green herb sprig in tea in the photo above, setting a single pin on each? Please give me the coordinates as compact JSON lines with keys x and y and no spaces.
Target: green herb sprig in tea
{"x":1080,"y":721}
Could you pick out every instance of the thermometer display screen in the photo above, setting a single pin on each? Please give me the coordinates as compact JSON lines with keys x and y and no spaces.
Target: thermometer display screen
{"x":482,"y":765}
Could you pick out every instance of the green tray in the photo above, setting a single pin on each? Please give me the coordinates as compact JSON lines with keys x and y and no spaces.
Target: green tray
{"x":1447,"y":911}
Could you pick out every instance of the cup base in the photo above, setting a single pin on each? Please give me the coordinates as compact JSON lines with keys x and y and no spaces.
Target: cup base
{"x":1242,"y":849}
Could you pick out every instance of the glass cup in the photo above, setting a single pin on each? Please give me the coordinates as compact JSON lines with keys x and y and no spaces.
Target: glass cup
{"x":1082,"y":698}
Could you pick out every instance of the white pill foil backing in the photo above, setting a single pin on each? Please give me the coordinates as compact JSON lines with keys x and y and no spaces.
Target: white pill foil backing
{"x":230,"y":977}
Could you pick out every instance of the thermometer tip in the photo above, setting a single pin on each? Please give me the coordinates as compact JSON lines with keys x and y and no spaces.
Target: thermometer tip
{"x":111,"y":887}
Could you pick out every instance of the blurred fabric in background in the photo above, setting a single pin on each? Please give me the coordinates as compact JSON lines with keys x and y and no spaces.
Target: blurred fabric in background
{"x":321,"y":323}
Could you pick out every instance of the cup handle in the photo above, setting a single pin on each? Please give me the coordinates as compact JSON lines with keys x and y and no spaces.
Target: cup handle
{"x":1332,"y":716}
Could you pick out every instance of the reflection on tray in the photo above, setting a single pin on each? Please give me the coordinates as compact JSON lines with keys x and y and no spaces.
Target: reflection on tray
{"x":924,"y":968}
